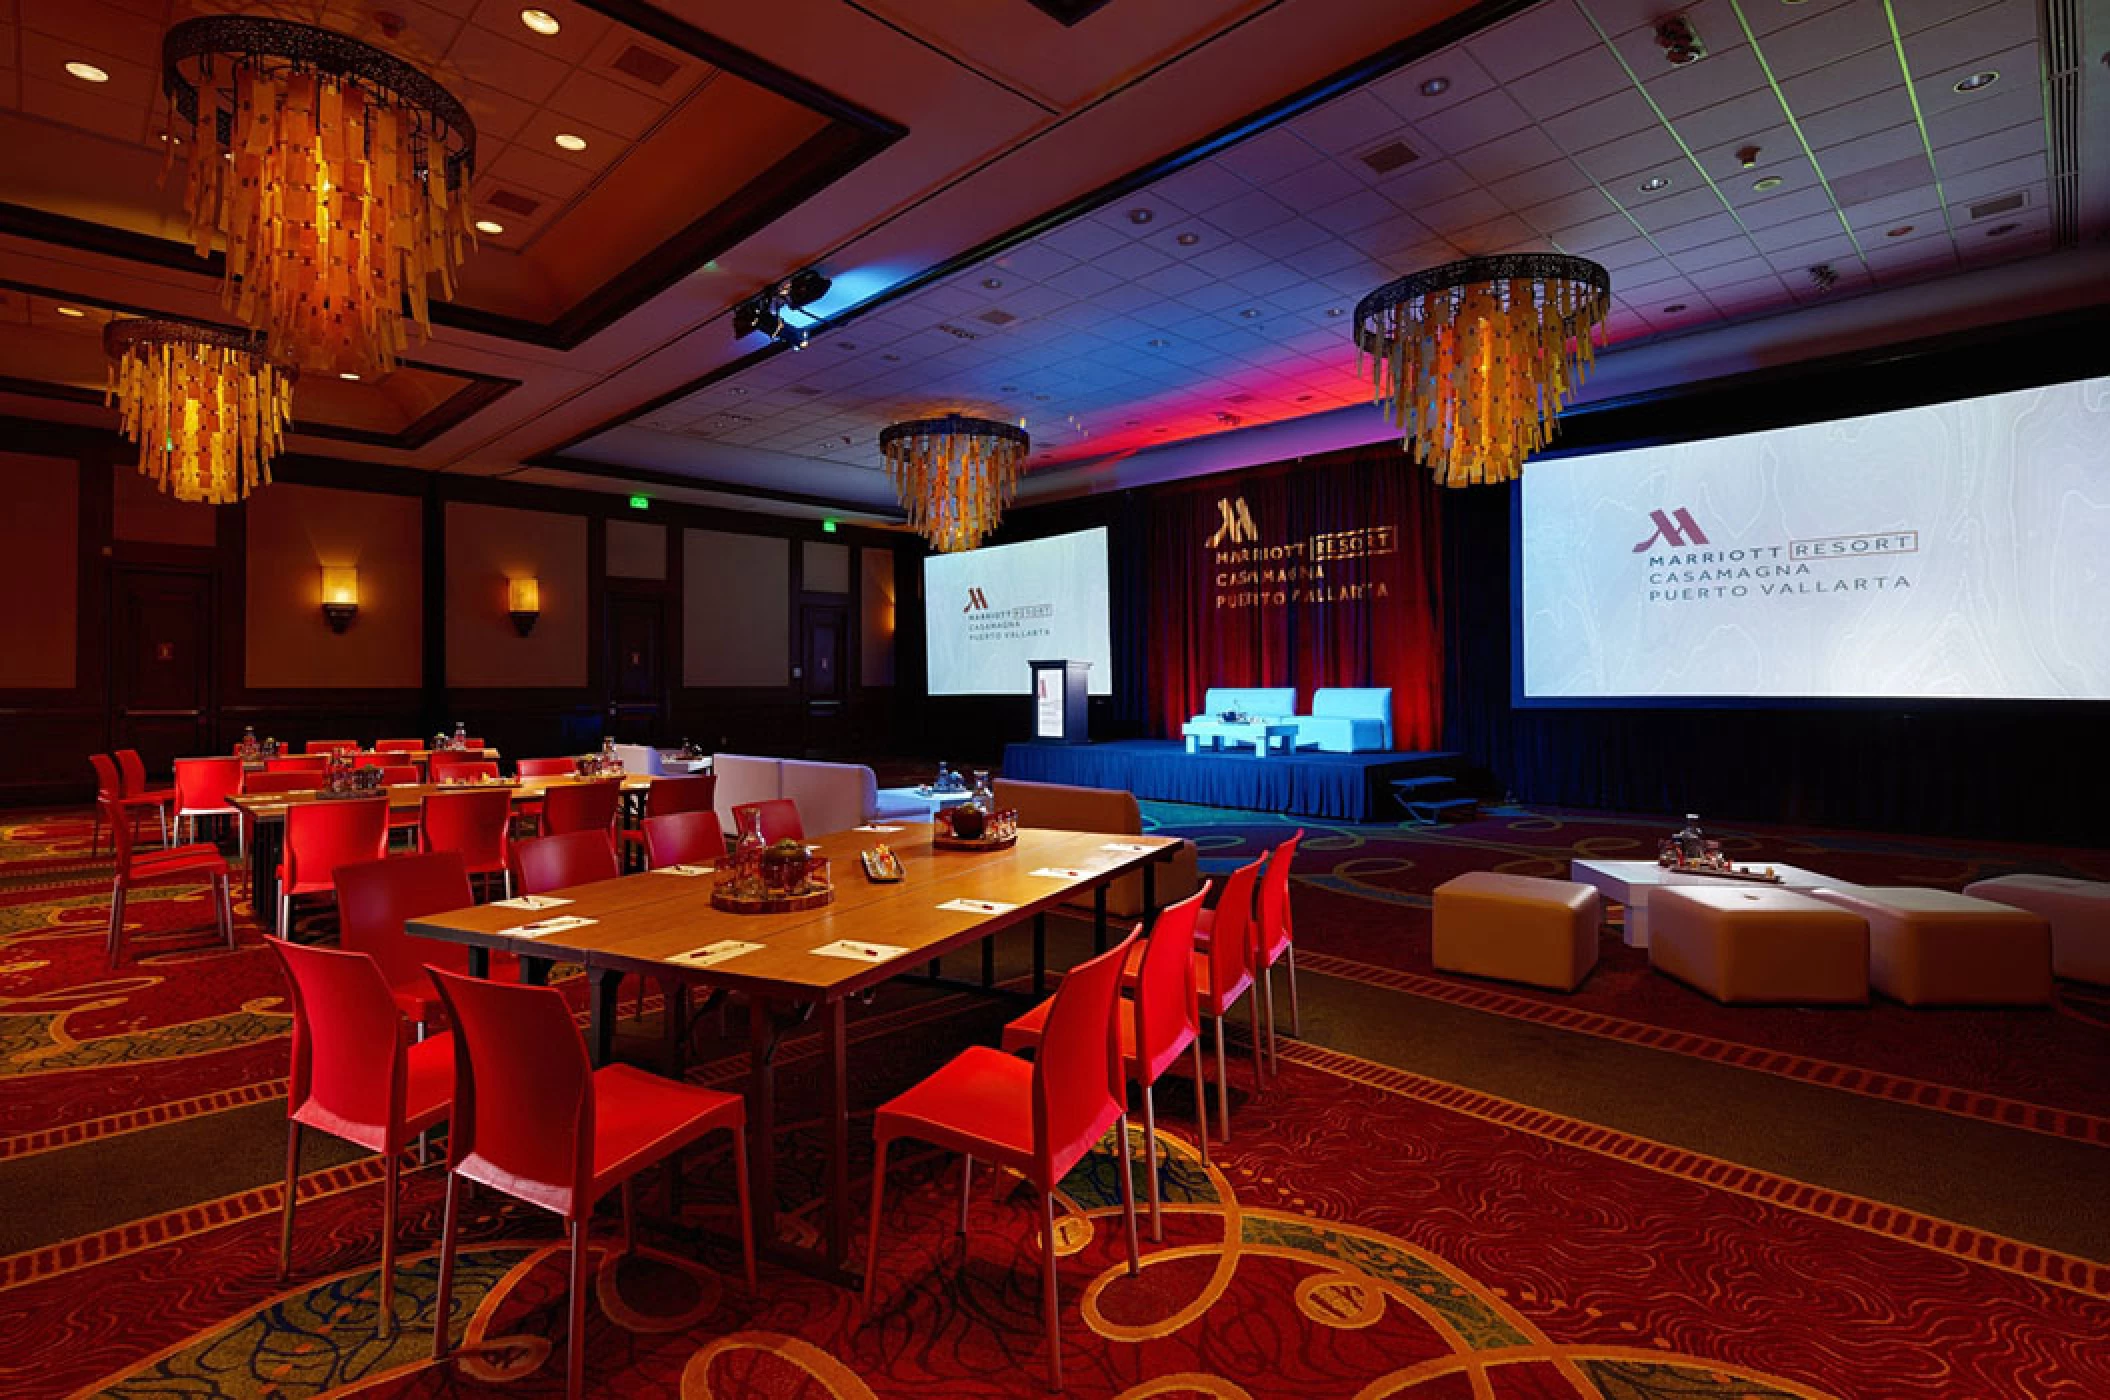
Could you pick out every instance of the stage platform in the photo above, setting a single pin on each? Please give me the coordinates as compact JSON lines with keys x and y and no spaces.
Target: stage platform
{"x":1343,"y":786}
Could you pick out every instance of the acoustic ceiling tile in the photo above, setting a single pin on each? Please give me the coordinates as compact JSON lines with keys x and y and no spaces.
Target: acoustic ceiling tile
{"x":1906,"y":206}
{"x":1268,"y":277}
{"x":1596,"y":234}
{"x":1348,"y":123}
{"x":1606,"y":119}
{"x":1269,"y":157}
{"x":1995,"y":179}
{"x":1506,"y":156}
{"x":1834,"y":32}
{"x":1612,"y":160}
{"x":1201,"y":187}
{"x":1715,"y":78}
{"x":1937,"y":88}
{"x":1910,"y":172}
{"x":2015,"y":143}
{"x":1693,"y":233}
{"x":1633,"y":24}
{"x":1085,"y":280}
{"x":1132,"y":261}
{"x":1900,"y":146}
{"x":1465,"y":125}
{"x":1505,"y":233}
{"x":1731,"y":122}
{"x":1741,"y":298}
{"x":1213,"y":297}
{"x":1034,"y":260}
{"x":1796,"y":261}
{"x":1425,"y":184}
{"x":1460,"y":211}
{"x":1569,"y":209}
{"x":1358,"y":211}
{"x":1542,"y":35}
{"x":1083,"y":239}
{"x":1464,"y":80}
{"x":1994,"y":111}
{"x":2006,"y":26}
{"x":1314,"y":185}
{"x":1671,"y":180}
{"x":530,"y":74}
{"x":1254,"y":210}
{"x":1616,"y":258}
{"x":1728,"y":274}
{"x":1725,"y":161}
{"x":1554,"y":180}
{"x":1878,"y":111}
{"x":1287,"y":239}
{"x":1784,"y":208}
{"x":1571,"y":84}
{"x":1680,"y":209}
{"x":1797,"y":231}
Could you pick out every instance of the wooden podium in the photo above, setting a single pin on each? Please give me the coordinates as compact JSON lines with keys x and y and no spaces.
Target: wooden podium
{"x":1061,"y":713}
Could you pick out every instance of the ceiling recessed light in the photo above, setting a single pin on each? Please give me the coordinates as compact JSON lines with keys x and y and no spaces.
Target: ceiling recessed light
{"x":1899,"y":232}
{"x":1158,"y":342}
{"x":1674,"y":308}
{"x":846,"y":345}
{"x":1767,"y":182}
{"x":1251,"y":313}
{"x":87,"y":72}
{"x":73,"y":311}
{"x":346,"y":374}
{"x":490,"y":226}
{"x":891,"y":358}
{"x":992,"y":283}
{"x":541,"y":21}
{"x":1654,"y":183}
{"x":1188,"y":240}
{"x":570,"y":142}
{"x":1040,"y":398}
{"x":1007,"y":388}
{"x":1435,"y":87}
{"x":1140,"y":216}
{"x":1335,"y":311}
{"x":2001,"y":230}
{"x":1985,"y":78}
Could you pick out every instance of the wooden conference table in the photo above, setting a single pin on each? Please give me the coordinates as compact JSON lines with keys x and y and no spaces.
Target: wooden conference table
{"x":645,"y":923}
{"x":267,"y":813}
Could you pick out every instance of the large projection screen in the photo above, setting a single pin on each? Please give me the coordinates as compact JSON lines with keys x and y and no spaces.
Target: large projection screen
{"x":1955,"y":551}
{"x":988,"y":612}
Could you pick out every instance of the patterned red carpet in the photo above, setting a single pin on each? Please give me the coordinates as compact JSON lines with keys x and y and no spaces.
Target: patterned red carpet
{"x":1368,"y":1232}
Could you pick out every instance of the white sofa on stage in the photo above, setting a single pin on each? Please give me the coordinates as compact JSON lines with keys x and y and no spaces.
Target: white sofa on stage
{"x":1347,"y":721}
{"x":831,"y":796}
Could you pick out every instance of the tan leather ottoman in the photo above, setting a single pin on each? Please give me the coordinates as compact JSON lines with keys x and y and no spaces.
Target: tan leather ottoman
{"x":2077,"y":910}
{"x":1518,"y":928}
{"x":1742,"y":945}
{"x":1938,"y":948}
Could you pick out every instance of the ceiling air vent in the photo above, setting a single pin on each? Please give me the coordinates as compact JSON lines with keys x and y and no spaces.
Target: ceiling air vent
{"x":2005,"y":204}
{"x":513,"y":203}
{"x":997,"y":317}
{"x":1389,"y":157}
{"x":643,"y":64}
{"x":1239,"y":398}
{"x":805,"y":391}
{"x":957,"y":332}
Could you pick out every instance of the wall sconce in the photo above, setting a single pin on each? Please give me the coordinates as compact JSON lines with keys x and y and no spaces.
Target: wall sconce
{"x":525,"y":598}
{"x":340,"y":596}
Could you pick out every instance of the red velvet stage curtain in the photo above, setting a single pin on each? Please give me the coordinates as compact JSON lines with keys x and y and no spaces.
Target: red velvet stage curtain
{"x":1322,"y":572}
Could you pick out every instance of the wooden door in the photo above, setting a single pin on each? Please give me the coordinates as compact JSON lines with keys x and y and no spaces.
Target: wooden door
{"x":161,"y":664}
{"x":636,"y":668}
{"x":824,"y":652}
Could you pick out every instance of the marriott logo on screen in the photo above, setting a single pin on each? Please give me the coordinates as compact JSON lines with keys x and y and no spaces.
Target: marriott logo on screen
{"x":977,"y":601}
{"x":1683,"y":572}
{"x":1677,"y":530}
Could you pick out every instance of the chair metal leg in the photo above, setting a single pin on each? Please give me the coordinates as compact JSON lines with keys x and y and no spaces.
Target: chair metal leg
{"x":1150,"y":1163}
{"x":391,"y":1182}
{"x":117,"y":922}
{"x":1267,"y":989}
{"x":445,"y":1298}
{"x":1296,"y":1028}
{"x":1201,"y":1100}
{"x":966,"y":1188}
{"x":575,"y":1368}
{"x":95,"y":835}
{"x":1252,"y":1011}
{"x":1128,"y":1197}
{"x":285,"y":916}
{"x":285,"y":1213}
{"x":747,"y":1217}
{"x":1053,"y":1302}
{"x":872,"y":1242}
{"x":226,"y":888}
{"x":1223,"y":1084}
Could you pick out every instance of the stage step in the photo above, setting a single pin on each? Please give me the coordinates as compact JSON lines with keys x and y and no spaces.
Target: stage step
{"x":1449,"y":809}
{"x":1409,"y":789}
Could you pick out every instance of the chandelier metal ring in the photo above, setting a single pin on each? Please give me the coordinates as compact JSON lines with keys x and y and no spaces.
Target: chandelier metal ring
{"x":131,"y":332}
{"x":1451,"y":276}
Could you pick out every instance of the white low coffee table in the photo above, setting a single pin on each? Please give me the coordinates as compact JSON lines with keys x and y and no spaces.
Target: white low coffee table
{"x":1628,"y":882}
{"x":1262,"y":736}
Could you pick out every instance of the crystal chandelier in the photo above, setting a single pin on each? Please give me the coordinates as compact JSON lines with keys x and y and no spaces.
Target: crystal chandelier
{"x":954,"y":475}
{"x":1474,"y":360}
{"x":335,"y":174}
{"x":207,"y":406}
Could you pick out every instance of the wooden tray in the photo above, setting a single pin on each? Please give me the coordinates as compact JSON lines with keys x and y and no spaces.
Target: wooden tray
{"x":941,"y":841}
{"x":774,"y":903}
{"x":1759,"y":877}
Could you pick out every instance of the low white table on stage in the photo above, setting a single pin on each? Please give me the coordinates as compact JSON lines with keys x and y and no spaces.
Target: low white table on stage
{"x":1628,"y":882}
{"x":1262,"y":736}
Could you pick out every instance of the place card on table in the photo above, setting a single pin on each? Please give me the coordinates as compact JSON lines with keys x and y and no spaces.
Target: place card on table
{"x":859,"y":952}
{"x":1057,"y":872}
{"x":713,"y":954}
{"x":542,"y":928}
{"x":530,"y":901}
{"x":692,"y":871}
{"x":1128,"y":848}
{"x":976,"y":906}
{"x":876,"y":828}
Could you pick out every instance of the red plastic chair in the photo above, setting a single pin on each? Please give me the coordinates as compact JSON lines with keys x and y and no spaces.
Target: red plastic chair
{"x":357,"y":1076}
{"x":461,"y":770}
{"x":546,"y":767}
{"x":203,"y":786}
{"x":376,"y":898}
{"x":558,"y":862}
{"x":189,"y":863}
{"x":1037,"y":1119}
{"x":478,"y":824}
{"x":477,"y":745}
{"x":779,"y":819}
{"x":137,"y":796}
{"x":330,"y":746}
{"x":399,"y":745}
{"x":683,"y":839}
{"x":1158,"y":1025}
{"x":1223,"y":972}
{"x":590,"y":806}
{"x":296,"y":763}
{"x":401,"y":775}
{"x":535,"y":1121}
{"x":109,"y":795}
{"x":668,"y":797}
{"x":1273,"y":941}
{"x":320,"y":836}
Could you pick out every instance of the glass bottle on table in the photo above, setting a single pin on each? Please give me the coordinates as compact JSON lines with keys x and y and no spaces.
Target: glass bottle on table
{"x":461,"y":735}
{"x":747,"y":853}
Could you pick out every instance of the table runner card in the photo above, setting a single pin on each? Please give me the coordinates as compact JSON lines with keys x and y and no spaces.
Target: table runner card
{"x":1128,"y":848}
{"x":711,"y":955}
{"x":544,"y":927}
{"x":976,"y":906}
{"x":877,"y":828}
{"x":1057,"y":872}
{"x":689,"y":870}
{"x":530,"y":901}
{"x":856,"y":951}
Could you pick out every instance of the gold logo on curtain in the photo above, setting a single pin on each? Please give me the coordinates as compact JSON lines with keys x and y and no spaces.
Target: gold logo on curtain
{"x":1237,"y":527}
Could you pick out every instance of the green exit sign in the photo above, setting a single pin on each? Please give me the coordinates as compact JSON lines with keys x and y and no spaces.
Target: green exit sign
{"x":641,"y":503}
{"x":828,"y":527}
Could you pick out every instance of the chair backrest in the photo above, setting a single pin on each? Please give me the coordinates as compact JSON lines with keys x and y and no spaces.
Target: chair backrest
{"x":1231,"y":942}
{"x":396,"y":774}
{"x":132,"y":771}
{"x":668,"y":796}
{"x":349,"y":1041}
{"x":376,"y":897}
{"x":320,"y":836}
{"x":1265,"y":703}
{"x":279,"y":780}
{"x":461,"y":770}
{"x":1079,"y":1086}
{"x":329,"y":746}
{"x":744,"y":778}
{"x":523,"y":1089}
{"x":1165,"y":1009}
{"x":476,"y":822}
{"x":469,"y":743}
{"x":205,"y":784}
{"x":558,"y":862}
{"x":399,"y":745}
{"x":296,"y":763}
{"x":108,"y":782}
{"x":120,"y":836}
{"x":779,"y":819}
{"x":1272,"y":935}
{"x":546,"y":767}
{"x":376,"y":759}
{"x":684,"y":838}
{"x":581,"y":806}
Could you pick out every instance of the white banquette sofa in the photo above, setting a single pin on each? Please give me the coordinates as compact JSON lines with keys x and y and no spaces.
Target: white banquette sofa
{"x":1342,"y":719}
{"x":831,"y":796}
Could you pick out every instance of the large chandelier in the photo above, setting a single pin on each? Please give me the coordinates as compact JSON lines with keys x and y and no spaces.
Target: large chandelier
{"x":207,"y":406}
{"x":954,"y":475}
{"x":1475,"y":359}
{"x":335,"y":174}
